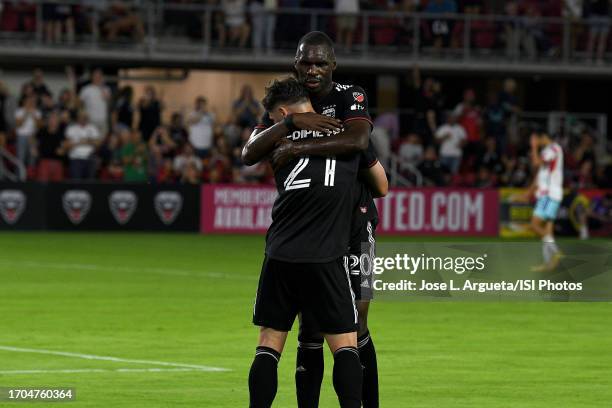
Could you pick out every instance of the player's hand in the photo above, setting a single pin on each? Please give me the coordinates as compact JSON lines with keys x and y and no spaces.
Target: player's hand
{"x":316,"y":122}
{"x":282,"y":154}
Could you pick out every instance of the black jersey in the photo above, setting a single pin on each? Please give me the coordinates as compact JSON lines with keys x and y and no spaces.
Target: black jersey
{"x":312,"y":215}
{"x":349,"y":102}
{"x":314,"y":223}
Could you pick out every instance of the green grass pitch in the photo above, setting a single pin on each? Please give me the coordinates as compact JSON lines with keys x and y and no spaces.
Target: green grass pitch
{"x":187,"y":300}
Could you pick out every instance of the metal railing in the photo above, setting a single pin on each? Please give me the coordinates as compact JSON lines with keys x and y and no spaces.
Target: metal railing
{"x":19,"y":172}
{"x":180,"y":29}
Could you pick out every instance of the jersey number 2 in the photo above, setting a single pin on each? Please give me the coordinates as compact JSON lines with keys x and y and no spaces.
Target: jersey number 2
{"x":292,"y":183}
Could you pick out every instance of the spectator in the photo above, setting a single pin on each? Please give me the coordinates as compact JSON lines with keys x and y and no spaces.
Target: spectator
{"x":58,"y":18}
{"x":451,"y":137}
{"x":490,"y":158}
{"x":109,"y":154}
{"x":471,"y":120}
{"x":38,"y":85}
{"x":516,"y":172}
{"x":410,"y":152}
{"x":82,"y":140}
{"x":585,"y":178}
{"x":510,"y":105}
{"x":177,"y":130}
{"x":572,"y":12}
{"x":133,"y":156}
{"x":186,"y":156}
{"x":123,"y":111}
{"x":441,"y":28}
{"x":512,"y":32}
{"x":598,"y":14}
{"x":95,"y":98}
{"x":150,"y":109}
{"x":389,"y":121}
{"x":431,"y":168}
{"x":27,"y":121}
{"x":68,"y":106}
{"x":254,"y":174}
{"x":191,"y":174}
{"x":263,"y":18}
{"x":382,"y":145}
{"x":162,"y":143}
{"x":426,"y":103}
{"x":347,"y":12}
{"x":585,"y":149}
{"x":4,"y":123}
{"x":218,"y":167}
{"x":50,"y":151}
{"x":246,"y":109}
{"x":165,"y":173}
{"x":495,"y":122}
{"x":484,"y":178}
{"x":235,"y":22}
{"x":121,"y":19}
{"x":47,"y":105}
{"x":201,"y":127}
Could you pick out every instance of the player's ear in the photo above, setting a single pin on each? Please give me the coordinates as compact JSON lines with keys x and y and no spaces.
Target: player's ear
{"x":283,"y":110}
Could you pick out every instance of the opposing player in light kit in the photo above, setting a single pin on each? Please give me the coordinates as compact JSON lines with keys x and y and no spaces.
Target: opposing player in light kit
{"x":305,"y":269}
{"x":547,"y":158}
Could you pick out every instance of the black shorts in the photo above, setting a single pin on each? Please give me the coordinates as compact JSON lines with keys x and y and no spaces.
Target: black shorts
{"x":362,"y":252}
{"x":321,"y":292}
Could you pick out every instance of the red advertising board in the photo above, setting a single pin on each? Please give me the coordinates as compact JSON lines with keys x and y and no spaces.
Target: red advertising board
{"x":404,"y":211}
{"x":432,"y":211}
{"x":234,"y":208}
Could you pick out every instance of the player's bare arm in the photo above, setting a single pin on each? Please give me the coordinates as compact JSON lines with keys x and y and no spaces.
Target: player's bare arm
{"x":262,"y":142}
{"x":376,"y":180}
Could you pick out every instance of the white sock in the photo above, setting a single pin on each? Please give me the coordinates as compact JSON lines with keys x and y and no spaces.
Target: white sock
{"x":584,"y":232}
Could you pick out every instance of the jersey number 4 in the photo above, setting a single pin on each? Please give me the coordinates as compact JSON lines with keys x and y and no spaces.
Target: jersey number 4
{"x":293,"y":183}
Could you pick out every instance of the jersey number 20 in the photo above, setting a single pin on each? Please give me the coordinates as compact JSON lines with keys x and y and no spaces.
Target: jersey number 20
{"x":292,"y":183}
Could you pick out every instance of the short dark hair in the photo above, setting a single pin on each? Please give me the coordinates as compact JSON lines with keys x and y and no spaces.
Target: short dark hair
{"x":317,"y":38}
{"x":287,"y":90}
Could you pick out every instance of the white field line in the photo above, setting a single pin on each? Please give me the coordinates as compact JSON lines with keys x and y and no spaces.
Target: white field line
{"x":126,"y":269}
{"x":100,"y":370}
{"x":115,"y":359}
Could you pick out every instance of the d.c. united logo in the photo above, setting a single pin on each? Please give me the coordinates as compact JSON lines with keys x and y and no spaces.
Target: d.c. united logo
{"x":168,"y":205}
{"x":358,"y":97}
{"x":76,"y":204}
{"x":12,"y":205}
{"x":122,"y":204}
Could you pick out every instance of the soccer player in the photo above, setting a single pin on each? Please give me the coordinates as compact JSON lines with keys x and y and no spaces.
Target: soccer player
{"x":547,"y":157}
{"x":305,"y":268}
{"x":314,"y":65}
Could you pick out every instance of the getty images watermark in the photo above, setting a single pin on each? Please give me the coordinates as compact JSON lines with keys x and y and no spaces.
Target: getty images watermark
{"x":488,"y":271}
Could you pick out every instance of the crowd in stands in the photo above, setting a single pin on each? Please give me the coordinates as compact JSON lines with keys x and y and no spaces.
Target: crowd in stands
{"x":262,"y":25}
{"x":89,"y":132}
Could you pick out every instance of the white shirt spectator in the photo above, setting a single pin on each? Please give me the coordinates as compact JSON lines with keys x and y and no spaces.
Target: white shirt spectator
{"x":181,"y":161}
{"x":451,"y":147}
{"x":572,"y":8}
{"x":95,"y":98}
{"x":410,"y":154}
{"x":347,"y":6}
{"x":28,"y":127}
{"x":234,"y":11}
{"x":201,"y":131}
{"x":77,"y":133}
